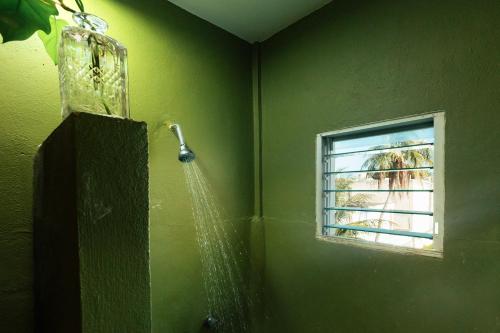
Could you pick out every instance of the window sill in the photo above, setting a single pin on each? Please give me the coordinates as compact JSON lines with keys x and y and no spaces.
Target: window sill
{"x":380,"y":247}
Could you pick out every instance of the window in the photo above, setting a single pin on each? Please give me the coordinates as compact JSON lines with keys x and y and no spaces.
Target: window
{"x":382,"y":185}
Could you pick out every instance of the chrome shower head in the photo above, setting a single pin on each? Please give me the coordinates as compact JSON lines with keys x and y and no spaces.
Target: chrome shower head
{"x":186,"y":155}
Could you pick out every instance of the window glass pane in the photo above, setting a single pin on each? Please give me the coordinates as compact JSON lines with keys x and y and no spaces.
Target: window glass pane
{"x":389,"y":221}
{"x":400,"y":180}
{"x":422,"y":135}
{"x":411,"y":242}
{"x":399,"y":199}
{"x":407,"y":201}
{"x":397,"y":158}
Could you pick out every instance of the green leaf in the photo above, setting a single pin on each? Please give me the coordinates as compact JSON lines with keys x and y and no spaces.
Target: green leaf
{"x":51,"y":40}
{"x":19,"y":19}
{"x":79,"y":3}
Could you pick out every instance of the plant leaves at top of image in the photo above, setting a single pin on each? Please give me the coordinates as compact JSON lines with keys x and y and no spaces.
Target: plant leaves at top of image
{"x":51,"y":40}
{"x":19,"y":19}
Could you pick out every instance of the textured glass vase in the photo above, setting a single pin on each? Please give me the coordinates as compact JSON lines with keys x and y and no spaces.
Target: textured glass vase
{"x":92,"y":69}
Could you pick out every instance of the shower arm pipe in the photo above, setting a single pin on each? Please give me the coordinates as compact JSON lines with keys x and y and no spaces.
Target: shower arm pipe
{"x":178,"y":133}
{"x":186,"y":155}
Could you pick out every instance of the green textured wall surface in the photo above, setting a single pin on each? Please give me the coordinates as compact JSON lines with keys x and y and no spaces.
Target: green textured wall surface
{"x":55,"y":234}
{"x":113,"y":228}
{"x":92,"y":242}
{"x":355,"y":62}
{"x":181,"y":69}
{"x":351,"y":63}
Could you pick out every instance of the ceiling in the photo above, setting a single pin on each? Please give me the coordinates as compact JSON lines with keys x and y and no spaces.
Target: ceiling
{"x":252,"y":20}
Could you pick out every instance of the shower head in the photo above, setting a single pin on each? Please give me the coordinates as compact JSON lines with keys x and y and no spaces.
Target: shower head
{"x":186,"y":155}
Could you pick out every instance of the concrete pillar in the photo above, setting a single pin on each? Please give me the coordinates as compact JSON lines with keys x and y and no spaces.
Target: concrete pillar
{"x":91,"y":227}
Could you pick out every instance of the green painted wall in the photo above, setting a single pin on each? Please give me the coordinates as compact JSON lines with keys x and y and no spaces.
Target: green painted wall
{"x":181,"y":68}
{"x":350,"y":63}
{"x":355,"y":62}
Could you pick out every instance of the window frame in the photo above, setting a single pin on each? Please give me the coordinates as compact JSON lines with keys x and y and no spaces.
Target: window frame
{"x":438,"y":119}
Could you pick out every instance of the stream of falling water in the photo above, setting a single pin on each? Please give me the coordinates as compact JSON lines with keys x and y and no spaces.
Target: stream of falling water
{"x":222,"y":277}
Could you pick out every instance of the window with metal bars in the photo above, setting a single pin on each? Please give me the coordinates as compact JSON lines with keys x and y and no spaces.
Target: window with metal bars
{"x":382,"y":185}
